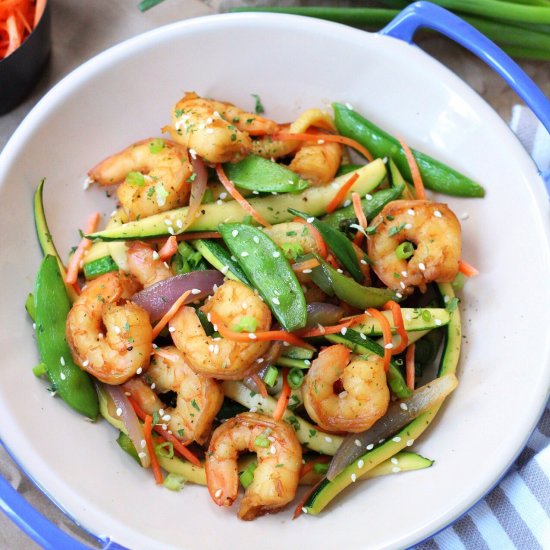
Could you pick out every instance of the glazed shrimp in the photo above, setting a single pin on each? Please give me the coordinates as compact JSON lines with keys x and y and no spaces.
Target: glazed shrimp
{"x":216,"y":131}
{"x":279,"y":462}
{"x":145,"y":265}
{"x":434,"y":231}
{"x":152,"y":174}
{"x":364,"y":397}
{"x":198,"y":398}
{"x":317,"y":162}
{"x":109,"y":336}
{"x":220,"y":357}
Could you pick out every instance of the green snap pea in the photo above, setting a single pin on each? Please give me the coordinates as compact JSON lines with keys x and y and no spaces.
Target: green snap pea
{"x":29,"y":306}
{"x":340,"y":219}
{"x":52,"y":305}
{"x":435,"y":175}
{"x":337,"y":242}
{"x":268,"y":270}
{"x":333,"y":283}
{"x":98,"y":267}
{"x":259,"y":174}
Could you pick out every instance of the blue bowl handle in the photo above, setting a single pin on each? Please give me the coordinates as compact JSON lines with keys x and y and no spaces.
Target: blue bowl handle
{"x":430,"y":16}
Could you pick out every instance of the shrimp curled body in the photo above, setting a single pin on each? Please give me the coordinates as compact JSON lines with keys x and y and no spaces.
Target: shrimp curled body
{"x":220,"y":357}
{"x":109,"y":336}
{"x":279,"y":462}
{"x":160,"y":170}
{"x":145,"y":266}
{"x":198,"y":398}
{"x":363,"y":400}
{"x":433,"y":230}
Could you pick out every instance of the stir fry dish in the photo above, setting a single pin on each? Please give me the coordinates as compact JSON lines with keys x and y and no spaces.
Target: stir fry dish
{"x":262,"y":310}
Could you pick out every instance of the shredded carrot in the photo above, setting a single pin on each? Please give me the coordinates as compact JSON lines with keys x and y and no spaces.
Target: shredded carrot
{"x":39,"y":10}
{"x":178,"y":445}
{"x":409,"y":366}
{"x":397,"y":316}
{"x":267,"y":336}
{"x":319,"y":241}
{"x":228,"y":184}
{"x":282,"y":136}
{"x":148,"y":434}
{"x":386,"y":332}
{"x":415,"y":172}
{"x":304,"y":265}
{"x":170,"y":313}
{"x":467,"y":269}
{"x":338,"y":199}
{"x":361,"y":218}
{"x":74,"y":263}
{"x":331,"y":329}
{"x":198,"y":235}
{"x":283,"y":398}
{"x":260,"y":385}
{"x":18,"y":18}
{"x":168,"y":249}
{"x":308,"y":466}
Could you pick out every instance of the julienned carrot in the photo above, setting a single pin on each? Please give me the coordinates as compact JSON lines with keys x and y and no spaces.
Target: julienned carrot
{"x":148,"y":434}
{"x":228,"y":184}
{"x":14,"y":34}
{"x":397,"y":316}
{"x":249,"y":337}
{"x":319,"y":241}
{"x":415,"y":172}
{"x":308,"y":466}
{"x":304,"y":265}
{"x":170,"y":313}
{"x":283,"y":136}
{"x":168,"y":249}
{"x":361,"y":218}
{"x":283,"y":398}
{"x":467,"y":269}
{"x":409,"y":366}
{"x":386,"y":332}
{"x":74,"y":263}
{"x":338,"y":199}
{"x":331,"y":329}
{"x":260,"y":385}
{"x":198,"y":235}
{"x":39,"y":10}
{"x":178,"y":445}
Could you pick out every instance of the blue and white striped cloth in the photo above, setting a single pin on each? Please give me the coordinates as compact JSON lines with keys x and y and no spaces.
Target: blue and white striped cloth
{"x":516,"y":514}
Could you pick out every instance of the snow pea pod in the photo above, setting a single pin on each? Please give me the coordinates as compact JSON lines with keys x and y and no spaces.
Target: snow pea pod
{"x":52,"y":305}
{"x":333,"y":283}
{"x":259,"y":174}
{"x":341,"y":218}
{"x":435,"y":175}
{"x":268,"y":270}
{"x":337,"y":242}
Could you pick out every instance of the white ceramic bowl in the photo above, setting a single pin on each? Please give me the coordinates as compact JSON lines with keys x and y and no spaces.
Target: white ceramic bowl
{"x":126,"y":94}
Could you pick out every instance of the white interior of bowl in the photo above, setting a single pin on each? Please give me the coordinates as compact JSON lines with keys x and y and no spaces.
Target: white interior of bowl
{"x":125,"y":95}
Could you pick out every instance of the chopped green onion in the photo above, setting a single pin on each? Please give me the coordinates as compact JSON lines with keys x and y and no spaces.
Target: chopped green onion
{"x":271,"y":375}
{"x":40,"y":369}
{"x":259,"y":108}
{"x":145,"y":5}
{"x":208,"y":196}
{"x":292,"y":250}
{"x":245,"y":324}
{"x":426,"y":315}
{"x":156,"y":146}
{"x":135,"y":178}
{"x":174,"y":482}
{"x":320,"y":468}
{"x":404,"y":250}
{"x":246,"y":477}
{"x":458,"y":283}
{"x":295,"y":378}
{"x":261,"y":441}
{"x":165,"y":449}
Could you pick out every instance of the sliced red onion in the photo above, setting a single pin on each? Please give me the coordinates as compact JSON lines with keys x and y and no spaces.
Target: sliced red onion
{"x":198,"y":188}
{"x":399,"y":414}
{"x":323,"y":314}
{"x":263,"y":363}
{"x":157,"y":299}
{"x":128,"y":417}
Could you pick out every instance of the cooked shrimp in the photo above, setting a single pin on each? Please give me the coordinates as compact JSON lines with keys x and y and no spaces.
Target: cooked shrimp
{"x":220,"y":357}
{"x":153,"y":175}
{"x":216,"y":131}
{"x":434,"y":231}
{"x":317,"y":162}
{"x":198,"y":398}
{"x":145,"y":265}
{"x":279,"y":462}
{"x":364,"y":395}
{"x":109,"y":336}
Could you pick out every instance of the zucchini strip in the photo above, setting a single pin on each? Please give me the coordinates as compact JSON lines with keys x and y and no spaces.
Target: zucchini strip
{"x":414,"y":319}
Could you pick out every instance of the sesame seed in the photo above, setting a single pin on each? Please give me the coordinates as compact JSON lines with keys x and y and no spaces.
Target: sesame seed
{"x":276,"y":301}
{"x":353,"y":478}
{"x":195,"y":291}
{"x":87,"y":183}
{"x":363,"y":336}
{"x":307,"y":271}
{"x":398,"y":295}
{"x":100,"y":335}
{"x":234,"y":233}
{"x":410,"y":212}
{"x":403,"y":406}
{"x":320,"y":141}
{"x":410,"y":442}
{"x":142,"y":455}
{"x":62,"y":360}
{"x":161,"y":412}
{"x":349,"y":106}
{"x":364,"y":262}
{"x":166,"y":418}
{"x":166,"y":265}
{"x":339,"y":270}
{"x":179,"y":223}
{"x":438,"y":322}
{"x":168,"y":222}
{"x":139,"y":371}
{"x":117,"y":330}
{"x":85,"y":363}
{"x":361,"y":463}
{"x":253,"y":409}
{"x":370,"y":447}
{"x":421,"y":266}
{"x":153,"y":386}
{"x":310,"y":220}
{"x":437,"y":214}
{"x":193,"y":153}
{"x":272,"y":449}
{"x":244,"y":254}
{"x":397,"y":439}
{"x":224,"y":269}
{"x":343,"y":330}
{"x":357,"y":442}
{"x":328,"y":439}
{"x":256,"y":239}
{"x":408,"y":226}
{"x":368,"y":196}
{"x":252,"y":336}
{"x":307,"y":362}
{"x":171,"y":230}
{"x":260,"y":360}
{"x":396,"y":469}
{"x":464,"y":216}
{"x":119,"y":412}
{"x":389,"y":345}
{"x":34,"y":326}
{"x":346,"y":203}
{"x":394,"y":460}
{"x":155,"y":255}
{"x":171,"y":329}
{"x":402,"y":285}
{"x":62,"y":376}
{"x":343,"y":394}
{"x":143,"y":443}
{"x":304,"y":509}
{"x":404,"y":273}
{"x":164,"y":427}
{"x":218,"y":493}
{"x":276,"y":254}
{"x":223,"y":195}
